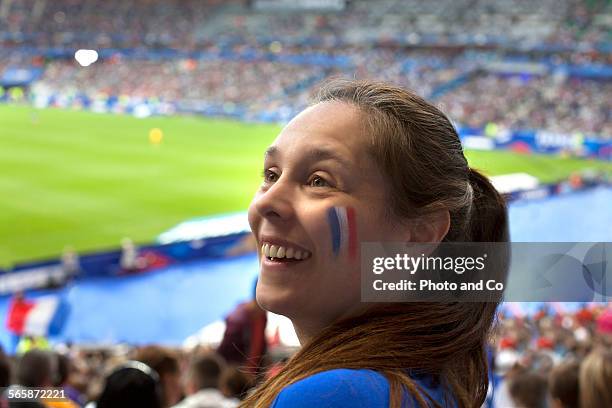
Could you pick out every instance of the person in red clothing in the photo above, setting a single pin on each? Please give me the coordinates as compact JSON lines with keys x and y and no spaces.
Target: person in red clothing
{"x":18,"y":310}
{"x":244,"y":341}
{"x":15,"y":321}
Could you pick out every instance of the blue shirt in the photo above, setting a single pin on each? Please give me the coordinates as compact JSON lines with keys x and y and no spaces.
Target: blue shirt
{"x":344,"y":388}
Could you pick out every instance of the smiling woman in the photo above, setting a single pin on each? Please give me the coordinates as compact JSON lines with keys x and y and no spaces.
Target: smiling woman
{"x":369,"y":162}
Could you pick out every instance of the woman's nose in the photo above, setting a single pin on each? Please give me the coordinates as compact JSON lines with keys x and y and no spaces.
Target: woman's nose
{"x":276,"y":203}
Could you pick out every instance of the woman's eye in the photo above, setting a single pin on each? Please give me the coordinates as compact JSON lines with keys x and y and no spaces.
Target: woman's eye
{"x":270,"y":176}
{"x":318,"y":181}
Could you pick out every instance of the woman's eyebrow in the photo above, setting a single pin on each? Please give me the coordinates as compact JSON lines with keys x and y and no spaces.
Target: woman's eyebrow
{"x":270,"y":152}
{"x":314,"y":155}
{"x":323,"y":153}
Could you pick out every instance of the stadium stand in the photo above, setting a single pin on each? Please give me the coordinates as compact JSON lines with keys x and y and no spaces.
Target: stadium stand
{"x":221,"y":58}
{"x":550,"y":103}
{"x":192,"y":23}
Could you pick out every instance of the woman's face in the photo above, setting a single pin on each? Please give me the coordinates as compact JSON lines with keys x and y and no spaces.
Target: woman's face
{"x":316,"y":171}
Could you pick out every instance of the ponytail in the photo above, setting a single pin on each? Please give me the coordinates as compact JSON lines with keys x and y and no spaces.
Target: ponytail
{"x":488,"y":220}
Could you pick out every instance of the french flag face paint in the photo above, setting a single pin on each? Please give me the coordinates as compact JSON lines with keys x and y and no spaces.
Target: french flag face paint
{"x":343,"y":230}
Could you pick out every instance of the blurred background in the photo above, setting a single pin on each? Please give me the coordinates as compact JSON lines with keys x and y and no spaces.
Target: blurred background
{"x":131,"y":142}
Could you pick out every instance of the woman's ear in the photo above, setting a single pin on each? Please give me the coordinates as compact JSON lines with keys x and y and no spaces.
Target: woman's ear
{"x":431,"y":228}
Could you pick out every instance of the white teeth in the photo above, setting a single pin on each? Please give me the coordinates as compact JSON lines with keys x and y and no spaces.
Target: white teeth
{"x":277,"y":251}
{"x":289,"y":253}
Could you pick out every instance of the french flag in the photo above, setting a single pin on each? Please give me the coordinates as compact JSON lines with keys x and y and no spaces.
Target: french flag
{"x":37,"y":317}
{"x":343,"y":230}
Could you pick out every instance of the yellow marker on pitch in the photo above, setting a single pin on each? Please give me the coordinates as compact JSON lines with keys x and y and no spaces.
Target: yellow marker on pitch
{"x":155,"y":136}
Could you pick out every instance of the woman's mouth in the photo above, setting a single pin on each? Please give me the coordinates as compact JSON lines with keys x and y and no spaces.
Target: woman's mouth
{"x":283,"y":253}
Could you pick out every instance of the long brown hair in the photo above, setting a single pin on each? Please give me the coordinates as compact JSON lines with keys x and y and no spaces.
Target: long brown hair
{"x":421,"y":156}
{"x":595,"y":379}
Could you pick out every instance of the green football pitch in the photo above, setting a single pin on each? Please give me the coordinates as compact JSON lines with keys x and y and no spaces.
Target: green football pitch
{"x":87,"y":180}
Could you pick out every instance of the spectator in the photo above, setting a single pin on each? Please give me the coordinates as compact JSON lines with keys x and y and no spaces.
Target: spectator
{"x":563,"y":385}
{"x":133,"y":384}
{"x":70,"y":263}
{"x":5,"y":377}
{"x":38,"y":369}
{"x":19,"y":307}
{"x":166,"y":365}
{"x":235,"y":383}
{"x":595,"y":379}
{"x":5,"y":370}
{"x":65,"y":379}
{"x":604,"y":327}
{"x":129,"y":261}
{"x":244,"y":341}
{"x":528,"y":390}
{"x":202,"y":388}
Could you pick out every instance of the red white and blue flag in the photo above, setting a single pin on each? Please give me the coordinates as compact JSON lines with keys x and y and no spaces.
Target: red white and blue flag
{"x":36,"y":317}
{"x":343,"y":230}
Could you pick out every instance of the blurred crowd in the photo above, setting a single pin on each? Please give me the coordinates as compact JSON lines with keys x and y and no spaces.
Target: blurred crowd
{"x":115,"y":23}
{"x":189,"y":24}
{"x":213,"y":82}
{"x":558,"y":105}
{"x":233,"y":58}
{"x":551,"y":359}
{"x":261,"y":86}
{"x":257,"y":85}
{"x":149,"y":377}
